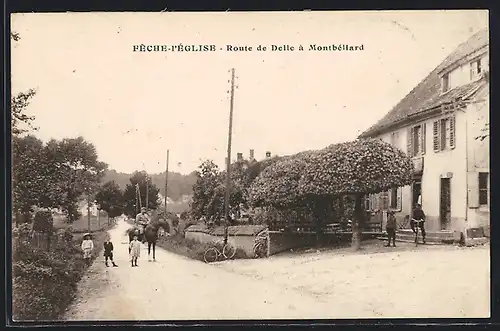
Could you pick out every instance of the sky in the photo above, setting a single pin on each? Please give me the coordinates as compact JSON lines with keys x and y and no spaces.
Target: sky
{"x":133,"y":106}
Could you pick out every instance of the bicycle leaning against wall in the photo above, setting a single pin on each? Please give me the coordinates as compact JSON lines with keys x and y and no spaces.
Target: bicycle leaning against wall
{"x":260,"y":246}
{"x":219,"y":250}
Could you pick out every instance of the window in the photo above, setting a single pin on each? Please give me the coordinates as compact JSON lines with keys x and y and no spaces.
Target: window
{"x":483,"y":188}
{"x":444,"y":134}
{"x":395,"y":139}
{"x":416,"y":140}
{"x":445,"y":83}
{"x":475,"y":69}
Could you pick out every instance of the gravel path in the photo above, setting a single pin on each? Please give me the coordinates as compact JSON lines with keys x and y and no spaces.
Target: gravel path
{"x":432,"y":282}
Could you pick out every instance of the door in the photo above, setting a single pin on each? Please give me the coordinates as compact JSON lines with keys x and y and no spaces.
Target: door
{"x":445,"y":204}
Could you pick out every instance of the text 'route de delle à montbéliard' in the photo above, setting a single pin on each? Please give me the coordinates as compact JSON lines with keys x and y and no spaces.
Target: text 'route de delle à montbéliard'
{"x":246,"y":48}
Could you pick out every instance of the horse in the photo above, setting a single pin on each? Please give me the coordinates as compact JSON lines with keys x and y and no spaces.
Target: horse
{"x":150,"y":234}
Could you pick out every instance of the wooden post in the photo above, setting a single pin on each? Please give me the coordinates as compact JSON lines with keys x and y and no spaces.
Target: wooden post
{"x":228,"y":164}
{"x":147,"y":193}
{"x":166,"y":183}
{"x":88,"y":210}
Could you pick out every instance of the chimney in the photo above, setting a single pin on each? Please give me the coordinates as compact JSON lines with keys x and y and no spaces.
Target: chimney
{"x":239,"y":157}
{"x":252,"y":154}
{"x":268,"y":154}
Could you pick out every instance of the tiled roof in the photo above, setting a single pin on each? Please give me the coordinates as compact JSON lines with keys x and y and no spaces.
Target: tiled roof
{"x":427,"y":94}
{"x":236,"y":230}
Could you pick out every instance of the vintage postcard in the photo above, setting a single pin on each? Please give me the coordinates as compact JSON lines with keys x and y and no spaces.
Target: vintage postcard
{"x":250,"y":165}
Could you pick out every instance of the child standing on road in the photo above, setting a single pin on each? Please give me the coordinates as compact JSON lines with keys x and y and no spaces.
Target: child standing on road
{"x":108,"y":251}
{"x":87,"y":248}
{"x":135,"y":251}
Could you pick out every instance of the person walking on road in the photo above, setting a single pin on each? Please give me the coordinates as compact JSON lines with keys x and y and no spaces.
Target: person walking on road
{"x":108,"y":252}
{"x":135,"y":251}
{"x":391,"y":228}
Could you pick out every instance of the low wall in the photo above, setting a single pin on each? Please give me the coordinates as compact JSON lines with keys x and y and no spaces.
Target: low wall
{"x":241,"y":236}
{"x":284,"y":241}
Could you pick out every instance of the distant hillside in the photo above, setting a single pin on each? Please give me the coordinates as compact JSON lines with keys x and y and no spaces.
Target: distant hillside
{"x":178,"y":184}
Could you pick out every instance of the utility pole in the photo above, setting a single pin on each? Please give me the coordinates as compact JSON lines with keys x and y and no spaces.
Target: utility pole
{"x":166,"y":183}
{"x":228,"y":161}
{"x":88,"y":208}
{"x":147,"y":193}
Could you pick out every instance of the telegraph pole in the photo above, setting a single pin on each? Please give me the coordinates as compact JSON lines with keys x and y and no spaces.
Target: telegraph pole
{"x":147,"y":193}
{"x":228,"y":161}
{"x":166,"y":183}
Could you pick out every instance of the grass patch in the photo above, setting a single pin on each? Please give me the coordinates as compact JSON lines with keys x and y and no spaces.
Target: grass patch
{"x":45,"y":282}
{"x":191,"y":248}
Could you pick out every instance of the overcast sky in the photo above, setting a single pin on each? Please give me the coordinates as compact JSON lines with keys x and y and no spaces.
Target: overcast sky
{"x":134,"y":105}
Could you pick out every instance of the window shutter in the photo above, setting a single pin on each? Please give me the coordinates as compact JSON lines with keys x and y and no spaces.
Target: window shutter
{"x":422,"y":138}
{"x":452,"y":132}
{"x":400,"y":197}
{"x":435,"y":136}
{"x":409,"y":142}
{"x":389,"y":199}
{"x":473,"y":189}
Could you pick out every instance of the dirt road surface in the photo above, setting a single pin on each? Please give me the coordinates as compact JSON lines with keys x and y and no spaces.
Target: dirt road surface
{"x":432,"y":282}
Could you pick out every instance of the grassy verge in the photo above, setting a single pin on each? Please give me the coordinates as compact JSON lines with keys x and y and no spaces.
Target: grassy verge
{"x":44,"y":282}
{"x":190,"y":248}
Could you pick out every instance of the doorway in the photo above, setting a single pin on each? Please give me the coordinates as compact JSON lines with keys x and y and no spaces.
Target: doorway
{"x":416,"y":192}
{"x":445,"y":204}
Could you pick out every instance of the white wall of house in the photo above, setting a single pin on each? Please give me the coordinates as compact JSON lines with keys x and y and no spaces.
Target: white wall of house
{"x":450,"y":162}
{"x":478,"y":162}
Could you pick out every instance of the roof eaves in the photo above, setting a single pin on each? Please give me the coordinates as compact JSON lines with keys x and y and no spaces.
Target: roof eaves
{"x":461,"y":58}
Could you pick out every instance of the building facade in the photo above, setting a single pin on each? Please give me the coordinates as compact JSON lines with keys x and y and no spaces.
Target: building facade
{"x":443,"y":125}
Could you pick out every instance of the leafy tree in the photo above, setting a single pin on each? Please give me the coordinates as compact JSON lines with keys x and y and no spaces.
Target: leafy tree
{"x":129,"y":196}
{"x":208,"y":179}
{"x":110,"y":199}
{"x":76,"y":171}
{"x":19,"y":103}
{"x":355,"y":168}
{"x":31,"y":176}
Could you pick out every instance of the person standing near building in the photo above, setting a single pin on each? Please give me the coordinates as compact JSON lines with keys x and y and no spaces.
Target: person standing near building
{"x":418,"y":216}
{"x":391,"y":228}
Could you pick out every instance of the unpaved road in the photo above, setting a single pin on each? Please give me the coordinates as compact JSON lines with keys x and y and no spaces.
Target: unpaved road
{"x":437,"y":282}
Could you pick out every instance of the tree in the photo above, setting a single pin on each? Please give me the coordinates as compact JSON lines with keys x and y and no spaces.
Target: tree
{"x":129,"y":196}
{"x":19,"y":103}
{"x":277,"y":185}
{"x":76,"y":171}
{"x":31,"y":177}
{"x":208,"y":179}
{"x":110,"y":199}
{"x":355,"y":168}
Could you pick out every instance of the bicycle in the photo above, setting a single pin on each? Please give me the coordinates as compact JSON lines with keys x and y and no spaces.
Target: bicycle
{"x":417,"y":226}
{"x":213,"y":253}
{"x":260,"y":246}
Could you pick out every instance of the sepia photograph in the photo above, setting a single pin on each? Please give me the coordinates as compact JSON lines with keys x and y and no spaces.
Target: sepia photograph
{"x":205,"y":166}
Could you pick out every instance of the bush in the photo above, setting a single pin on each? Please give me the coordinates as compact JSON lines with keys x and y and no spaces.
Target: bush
{"x":44,"y":282}
{"x":43,"y":221}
